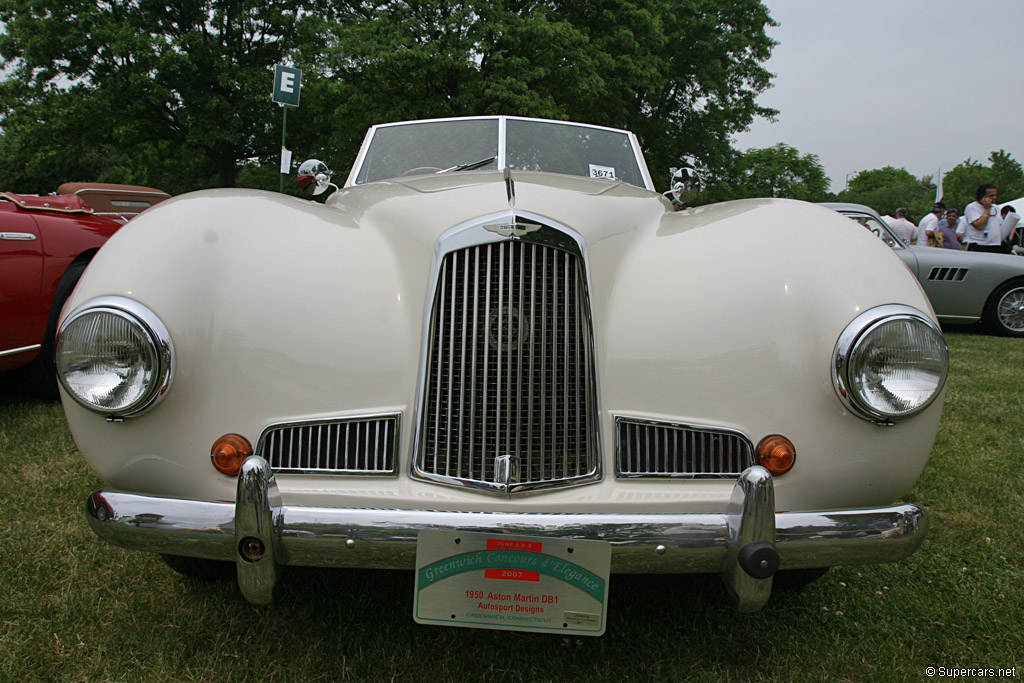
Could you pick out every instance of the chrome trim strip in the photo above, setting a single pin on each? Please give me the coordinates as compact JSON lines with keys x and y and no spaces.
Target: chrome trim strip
{"x":23,"y":349}
{"x":502,"y":141}
{"x":641,"y":543}
{"x":109,"y":190}
{"x":18,"y":236}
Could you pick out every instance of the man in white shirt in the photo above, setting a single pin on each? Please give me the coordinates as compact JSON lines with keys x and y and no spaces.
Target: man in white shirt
{"x":926,"y":228}
{"x":903,"y":228}
{"x":983,"y":221}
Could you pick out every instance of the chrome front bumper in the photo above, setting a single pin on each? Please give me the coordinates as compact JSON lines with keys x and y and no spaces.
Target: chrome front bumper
{"x":745,"y":544}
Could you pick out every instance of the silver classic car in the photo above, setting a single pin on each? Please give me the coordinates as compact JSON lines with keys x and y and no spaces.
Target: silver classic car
{"x":964,"y":287}
{"x":498,"y":357}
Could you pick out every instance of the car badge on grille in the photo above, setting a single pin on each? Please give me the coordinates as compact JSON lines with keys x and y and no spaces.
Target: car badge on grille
{"x":514,"y":327}
{"x":506,"y":470}
{"x":513,"y":230}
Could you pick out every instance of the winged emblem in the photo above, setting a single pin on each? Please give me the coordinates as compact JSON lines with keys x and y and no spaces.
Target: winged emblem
{"x":515,"y":229}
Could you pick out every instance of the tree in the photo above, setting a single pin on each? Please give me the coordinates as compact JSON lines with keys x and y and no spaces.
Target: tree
{"x":190,"y":79}
{"x":887,"y":189}
{"x":193,"y":78}
{"x":960,"y":184}
{"x":779,"y":171}
{"x":682,"y":74}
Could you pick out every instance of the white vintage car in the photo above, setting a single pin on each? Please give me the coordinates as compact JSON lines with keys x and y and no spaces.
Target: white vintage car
{"x":494,"y":347}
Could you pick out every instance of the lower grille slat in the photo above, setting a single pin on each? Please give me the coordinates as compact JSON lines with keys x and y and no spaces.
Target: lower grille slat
{"x":361,"y":446}
{"x":651,"y":449}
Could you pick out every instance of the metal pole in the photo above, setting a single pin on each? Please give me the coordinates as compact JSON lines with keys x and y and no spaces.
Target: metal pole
{"x":284,"y":130}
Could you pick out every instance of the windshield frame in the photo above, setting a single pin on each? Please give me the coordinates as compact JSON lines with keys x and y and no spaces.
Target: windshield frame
{"x":502,"y":136}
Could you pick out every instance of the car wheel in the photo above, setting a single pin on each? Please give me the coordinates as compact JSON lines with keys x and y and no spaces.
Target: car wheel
{"x":1004,"y":312}
{"x":199,"y":568}
{"x":47,"y":367}
{"x":797,"y":579}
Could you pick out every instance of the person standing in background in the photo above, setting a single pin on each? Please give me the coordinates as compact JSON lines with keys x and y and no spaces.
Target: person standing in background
{"x":926,"y":228}
{"x":1008,"y":227}
{"x":903,"y":228}
{"x":983,"y":221}
{"x":948,"y":228}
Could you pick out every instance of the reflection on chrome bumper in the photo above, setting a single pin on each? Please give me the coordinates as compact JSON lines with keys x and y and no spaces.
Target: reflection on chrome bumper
{"x":261,"y":534}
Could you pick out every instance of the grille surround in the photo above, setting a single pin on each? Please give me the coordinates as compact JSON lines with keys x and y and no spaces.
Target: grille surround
{"x":352,"y":438}
{"x":495,"y":460}
{"x":681,"y":443}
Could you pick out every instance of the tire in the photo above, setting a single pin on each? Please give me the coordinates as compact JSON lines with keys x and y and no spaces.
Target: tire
{"x":1004,"y":312}
{"x":796,"y":580}
{"x":47,"y":367}
{"x":199,"y":568}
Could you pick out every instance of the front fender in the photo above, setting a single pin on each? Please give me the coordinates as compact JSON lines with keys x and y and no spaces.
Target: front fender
{"x":730,"y":314}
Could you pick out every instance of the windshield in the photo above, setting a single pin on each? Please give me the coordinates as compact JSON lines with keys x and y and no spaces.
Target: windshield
{"x":425,"y":147}
{"x":877,"y":227}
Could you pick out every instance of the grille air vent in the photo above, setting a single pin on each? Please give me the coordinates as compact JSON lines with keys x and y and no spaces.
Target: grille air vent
{"x":659,"y":449}
{"x":364,"y":446}
{"x":942,"y":274}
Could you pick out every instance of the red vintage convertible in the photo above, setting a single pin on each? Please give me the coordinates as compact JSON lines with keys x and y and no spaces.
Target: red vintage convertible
{"x":45,"y":244}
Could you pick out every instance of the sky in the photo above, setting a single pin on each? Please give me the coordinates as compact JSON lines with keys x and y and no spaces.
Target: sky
{"x":914,"y":84}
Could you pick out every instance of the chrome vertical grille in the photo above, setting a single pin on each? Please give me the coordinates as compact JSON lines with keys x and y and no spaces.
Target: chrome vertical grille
{"x":509,"y":371}
{"x":657,"y":449}
{"x":343,"y":446}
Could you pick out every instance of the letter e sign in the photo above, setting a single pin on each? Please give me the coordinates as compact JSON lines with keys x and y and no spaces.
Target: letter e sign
{"x":287,"y":85}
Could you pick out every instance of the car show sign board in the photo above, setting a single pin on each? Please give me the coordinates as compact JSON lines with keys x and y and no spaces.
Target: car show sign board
{"x":514,"y":583}
{"x":287,"y":85}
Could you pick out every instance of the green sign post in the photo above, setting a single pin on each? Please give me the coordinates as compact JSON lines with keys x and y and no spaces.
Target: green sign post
{"x":287,"y":89}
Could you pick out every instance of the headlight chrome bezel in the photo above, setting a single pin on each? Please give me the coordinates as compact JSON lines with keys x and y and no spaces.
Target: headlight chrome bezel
{"x":858,"y":332}
{"x":156,"y":336}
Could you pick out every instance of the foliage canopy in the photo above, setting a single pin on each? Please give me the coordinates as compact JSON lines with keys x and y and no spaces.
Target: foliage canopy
{"x":960,"y":185}
{"x":779,"y":171}
{"x":133,"y":90}
{"x":887,"y":189}
{"x":128,"y":90}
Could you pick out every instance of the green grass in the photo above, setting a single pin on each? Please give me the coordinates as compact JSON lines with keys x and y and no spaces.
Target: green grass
{"x":75,"y":609}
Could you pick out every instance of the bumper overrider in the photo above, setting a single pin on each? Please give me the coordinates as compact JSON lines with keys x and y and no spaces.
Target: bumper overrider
{"x":745,"y":545}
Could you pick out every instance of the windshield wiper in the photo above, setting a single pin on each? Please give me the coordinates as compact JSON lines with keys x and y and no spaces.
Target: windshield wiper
{"x":469,"y":167}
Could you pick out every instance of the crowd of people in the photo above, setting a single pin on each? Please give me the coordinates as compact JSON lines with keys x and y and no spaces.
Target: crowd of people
{"x":982,"y":227}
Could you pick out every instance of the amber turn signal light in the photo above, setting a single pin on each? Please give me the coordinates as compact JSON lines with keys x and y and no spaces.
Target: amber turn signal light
{"x":777,"y":454}
{"x":228,"y":453}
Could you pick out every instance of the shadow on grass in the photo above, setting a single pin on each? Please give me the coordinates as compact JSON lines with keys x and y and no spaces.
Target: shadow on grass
{"x":21,"y":386}
{"x":359,"y":625}
{"x":356,"y":600}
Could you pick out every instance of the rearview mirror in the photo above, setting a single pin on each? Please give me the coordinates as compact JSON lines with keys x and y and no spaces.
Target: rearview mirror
{"x":686,"y":184}
{"x":314,"y":176}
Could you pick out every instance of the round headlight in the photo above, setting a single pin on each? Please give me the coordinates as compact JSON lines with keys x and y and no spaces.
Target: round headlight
{"x":890,"y":363}
{"x":113,"y":356}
